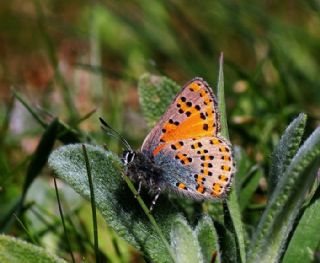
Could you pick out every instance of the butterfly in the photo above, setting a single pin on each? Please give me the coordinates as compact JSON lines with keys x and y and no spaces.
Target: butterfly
{"x":184,"y":152}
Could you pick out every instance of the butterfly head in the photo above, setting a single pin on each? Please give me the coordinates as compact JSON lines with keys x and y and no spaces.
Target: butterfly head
{"x":128,"y":157}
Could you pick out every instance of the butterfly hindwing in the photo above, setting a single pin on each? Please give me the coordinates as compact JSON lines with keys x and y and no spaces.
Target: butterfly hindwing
{"x":203,"y":167}
{"x":192,"y":114}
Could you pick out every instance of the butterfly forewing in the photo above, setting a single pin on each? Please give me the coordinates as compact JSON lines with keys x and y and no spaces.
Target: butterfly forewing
{"x":192,"y":114}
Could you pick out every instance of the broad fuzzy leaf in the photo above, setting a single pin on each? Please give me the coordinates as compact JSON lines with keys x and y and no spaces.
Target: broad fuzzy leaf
{"x":285,"y":150}
{"x":113,"y":198}
{"x":305,"y":239}
{"x":156,"y":93}
{"x":184,"y":242}
{"x":277,"y":220}
{"x":207,"y":238}
{"x":13,"y":250}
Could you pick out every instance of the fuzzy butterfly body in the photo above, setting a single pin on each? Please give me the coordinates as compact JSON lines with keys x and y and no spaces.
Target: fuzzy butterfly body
{"x":184,"y":152}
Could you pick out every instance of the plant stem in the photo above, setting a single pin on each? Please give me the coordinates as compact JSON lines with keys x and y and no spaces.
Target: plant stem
{"x":93,"y":204}
{"x":148,"y":214}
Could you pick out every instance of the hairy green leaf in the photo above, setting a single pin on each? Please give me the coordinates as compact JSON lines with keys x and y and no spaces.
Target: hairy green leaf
{"x":13,"y":250}
{"x":184,"y":242}
{"x":285,"y":150}
{"x":278,"y":218}
{"x":208,"y":239}
{"x":113,"y":198}
{"x":227,"y":245}
{"x":156,"y":93}
{"x":305,"y":239}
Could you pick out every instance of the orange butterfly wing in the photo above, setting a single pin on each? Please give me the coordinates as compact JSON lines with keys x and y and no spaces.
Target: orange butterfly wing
{"x":205,"y":166}
{"x":189,"y":133}
{"x":193,"y":114}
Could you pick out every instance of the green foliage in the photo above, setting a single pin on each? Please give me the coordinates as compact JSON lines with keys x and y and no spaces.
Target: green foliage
{"x":293,"y":169}
{"x":221,"y":101}
{"x":207,"y":238}
{"x":249,"y":187}
{"x":41,"y":154}
{"x":155,"y":94}
{"x":227,"y":245}
{"x":113,"y":198}
{"x":286,"y":202}
{"x":232,"y":207}
{"x":38,"y":161}
{"x":305,"y":239}
{"x":184,"y":242}
{"x":85,"y":56}
{"x":285,"y":150}
{"x":13,"y":250}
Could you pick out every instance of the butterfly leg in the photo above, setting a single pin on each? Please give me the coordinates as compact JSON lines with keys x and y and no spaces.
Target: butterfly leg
{"x":155,"y":199}
{"x":139,"y":189}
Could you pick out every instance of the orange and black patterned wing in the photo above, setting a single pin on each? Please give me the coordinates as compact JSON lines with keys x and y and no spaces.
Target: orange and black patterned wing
{"x":200,"y":168}
{"x":196,"y":161}
{"x":192,"y":114}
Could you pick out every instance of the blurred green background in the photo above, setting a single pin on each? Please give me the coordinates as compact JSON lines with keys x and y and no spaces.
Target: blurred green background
{"x":78,"y":60}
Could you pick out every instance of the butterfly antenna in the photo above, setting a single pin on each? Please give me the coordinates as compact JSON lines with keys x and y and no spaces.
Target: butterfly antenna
{"x":110,"y":131}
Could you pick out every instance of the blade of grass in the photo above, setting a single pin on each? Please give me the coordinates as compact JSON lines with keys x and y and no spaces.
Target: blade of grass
{"x":51,"y":51}
{"x":62,"y":220}
{"x":38,"y":161}
{"x":93,"y":204}
{"x":86,"y":116}
{"x":30,"y":110}
{"x":233,"y":213}
{"x":6,"y":121}
{"x":66,"y":133}
{"x":40,"y":157}
{"x":95,"y":51}
{"x":249,"y":188}
{"x":221,"y":100}
{"x":32,"y":238}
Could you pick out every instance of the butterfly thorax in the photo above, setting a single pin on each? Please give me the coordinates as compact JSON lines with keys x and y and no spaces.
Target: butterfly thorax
{"x":140,"y":168}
